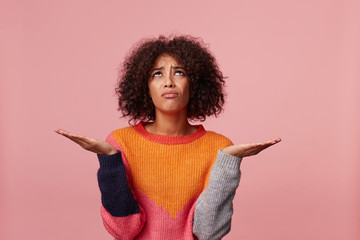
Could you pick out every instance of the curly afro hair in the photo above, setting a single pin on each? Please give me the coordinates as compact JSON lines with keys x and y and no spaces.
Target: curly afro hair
{"x":206,"y":80}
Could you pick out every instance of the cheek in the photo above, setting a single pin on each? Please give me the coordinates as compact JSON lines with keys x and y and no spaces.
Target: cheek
{"x":153,"y":94}
{"x":151,"y":90}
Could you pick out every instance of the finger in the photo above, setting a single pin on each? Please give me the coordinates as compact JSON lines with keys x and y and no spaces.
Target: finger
{"x":74,"y":136}
{"x":251,"y":152}
{"x":66,"y":133}
{"x":263,"y":147}
{"x":254,"y":147}
{"x":251,"y":145}
{"x":83,"y":141}
{"x":272,"y":141}
{"x":276,"y":140}
{"x":268,"y":142}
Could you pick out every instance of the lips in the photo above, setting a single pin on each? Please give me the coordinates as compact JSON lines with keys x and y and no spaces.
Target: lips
{"x":170,"y":94}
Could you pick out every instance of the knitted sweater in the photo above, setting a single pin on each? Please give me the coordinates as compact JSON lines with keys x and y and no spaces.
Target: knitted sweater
{"x":159,"y":187}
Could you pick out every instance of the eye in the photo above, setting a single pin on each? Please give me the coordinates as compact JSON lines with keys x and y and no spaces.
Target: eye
{"x":180,"y":73}
{"x":157,"y":74}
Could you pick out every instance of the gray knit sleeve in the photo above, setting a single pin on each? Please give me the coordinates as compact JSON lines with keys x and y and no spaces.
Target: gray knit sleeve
{"x":214,"y":208}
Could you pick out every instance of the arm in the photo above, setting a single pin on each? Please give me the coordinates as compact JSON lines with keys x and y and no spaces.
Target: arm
{"x":122,"y":216}
{"x":214,"y":208}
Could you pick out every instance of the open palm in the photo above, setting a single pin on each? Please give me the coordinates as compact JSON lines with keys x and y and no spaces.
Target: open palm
{"x":88,"y":143}
{"x":246,"y":150}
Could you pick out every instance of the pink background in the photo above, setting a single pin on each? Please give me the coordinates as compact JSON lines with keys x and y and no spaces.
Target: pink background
{"x":293,"y":72}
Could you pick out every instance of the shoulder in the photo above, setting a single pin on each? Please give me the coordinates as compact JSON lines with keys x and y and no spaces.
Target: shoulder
{"x":118,"y":135}
{"x":218,"y":139}
{"x":121,"y":132}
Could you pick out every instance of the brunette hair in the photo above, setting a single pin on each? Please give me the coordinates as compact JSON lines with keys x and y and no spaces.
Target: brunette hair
{"x":206,"y":80}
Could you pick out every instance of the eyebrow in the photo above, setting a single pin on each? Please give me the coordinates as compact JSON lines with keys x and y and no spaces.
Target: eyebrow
{"x":154,"y":69}
{"x":178,"y":67}
{"x":160,"y":68}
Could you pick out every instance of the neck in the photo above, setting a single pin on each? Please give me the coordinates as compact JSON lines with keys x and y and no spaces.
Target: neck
{"x":171,"y":124}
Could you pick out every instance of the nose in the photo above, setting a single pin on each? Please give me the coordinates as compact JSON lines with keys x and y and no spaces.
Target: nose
{"x":169,"y":82}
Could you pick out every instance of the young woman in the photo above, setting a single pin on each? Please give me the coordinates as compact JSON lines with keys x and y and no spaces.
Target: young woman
{"x":163,"y":178}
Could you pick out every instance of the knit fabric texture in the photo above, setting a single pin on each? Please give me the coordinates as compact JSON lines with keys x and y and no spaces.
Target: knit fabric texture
{"x":154,"y":185}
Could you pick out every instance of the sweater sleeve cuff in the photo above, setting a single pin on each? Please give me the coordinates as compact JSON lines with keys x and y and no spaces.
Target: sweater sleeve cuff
{"x":110,"y":161}
{"x":229,"y":162}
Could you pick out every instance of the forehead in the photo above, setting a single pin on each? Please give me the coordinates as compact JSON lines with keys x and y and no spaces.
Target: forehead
{"x":166,"y":59}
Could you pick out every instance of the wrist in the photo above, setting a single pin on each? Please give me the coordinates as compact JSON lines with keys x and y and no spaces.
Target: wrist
{"x":112,"y":152}
{"x":229,"y":151}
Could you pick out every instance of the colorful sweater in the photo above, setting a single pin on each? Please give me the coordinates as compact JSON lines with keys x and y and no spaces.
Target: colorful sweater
{"x":167,"y":187}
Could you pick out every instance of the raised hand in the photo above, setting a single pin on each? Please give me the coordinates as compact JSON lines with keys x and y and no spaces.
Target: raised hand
{"x":88,"y":143}
{"x":246,"y":150}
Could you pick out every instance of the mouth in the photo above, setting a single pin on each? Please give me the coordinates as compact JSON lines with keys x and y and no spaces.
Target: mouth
{"x":170,"y":95}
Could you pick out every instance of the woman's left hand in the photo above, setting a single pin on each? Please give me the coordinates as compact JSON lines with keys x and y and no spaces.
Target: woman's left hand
{"x":246,"y":150}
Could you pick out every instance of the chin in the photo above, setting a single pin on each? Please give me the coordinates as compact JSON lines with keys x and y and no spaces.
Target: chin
{"x":172,"y":110}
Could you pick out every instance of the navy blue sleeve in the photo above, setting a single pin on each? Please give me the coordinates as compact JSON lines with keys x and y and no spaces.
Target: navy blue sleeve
{"x":116,"y":195}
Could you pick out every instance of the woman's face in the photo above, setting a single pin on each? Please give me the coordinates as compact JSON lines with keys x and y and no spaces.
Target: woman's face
{"x":169,"y":85}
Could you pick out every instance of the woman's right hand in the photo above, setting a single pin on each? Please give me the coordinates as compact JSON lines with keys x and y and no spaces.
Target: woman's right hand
{"x":88,"y":143}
